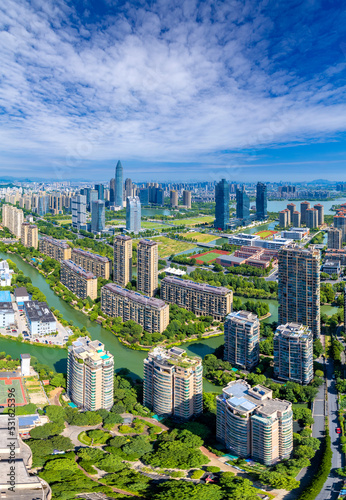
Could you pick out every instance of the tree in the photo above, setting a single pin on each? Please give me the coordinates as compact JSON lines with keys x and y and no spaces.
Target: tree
{"x":139,"y":446}
{"x":47,"y":430}
{"x":55,"y":413}
{"x":61,"y":443}
{"x":237,"y":488}
{"x":303,"y":451}
{"x":279,"y":481}
{"x":182,"y":490}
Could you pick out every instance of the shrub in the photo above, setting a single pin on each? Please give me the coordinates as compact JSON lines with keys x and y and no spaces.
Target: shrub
{"x":126,"y":429}
{"x":197,"y":474}
{"x":212,"y":468}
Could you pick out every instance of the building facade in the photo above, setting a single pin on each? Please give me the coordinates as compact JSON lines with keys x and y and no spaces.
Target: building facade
{"x":13,"y":218}
{"x":173,"y":198}
{"x":296,"y":219}
{"x":334,"y":238}
{"x":40,"y":319}
{"x":81,"y":282}
{"x":243,"y":204}
{"x":133,"y":214}
{"x":242,"y":338}
{"x":221,"y":205}
{"x":90,"y":375}
{"x":173,"y":383}
{"x":200,"y":298}
{"x":78,"y":207}
{"x":187,"y":198}
{"x":151,"y":313}
{"x":98,"y":216}
{"x":293,"y":353}
{"x":122,"y":267}
{"x":29,"y":235}
{"x":119,"y":185}
{"x":340,"y":223}
{"x":304,"y":206}
{"x":147,"y":267}
{"x":311,"y":218}
{"x":97,"y":264}
{"x":55,"y":249}
{"x":251,"y":424}
{"x":299,"y":287}
{"x":261,"y":201}
{"x":320,"y":214}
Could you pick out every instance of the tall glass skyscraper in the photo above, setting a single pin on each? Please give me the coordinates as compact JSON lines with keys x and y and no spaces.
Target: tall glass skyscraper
{"x":100,"y":191}
{"x":133,"y":214}
{"x":221,"y":205}
{"x":243,"y":204}
{"x":98,"y":223}
{"x":261,"y":201}
{"x":119,"y":184}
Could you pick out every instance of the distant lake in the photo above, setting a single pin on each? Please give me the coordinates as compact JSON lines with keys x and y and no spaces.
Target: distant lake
{"x":277,"y":206}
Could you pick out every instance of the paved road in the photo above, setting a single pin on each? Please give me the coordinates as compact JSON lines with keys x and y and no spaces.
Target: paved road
{"x":333,"y":484}
{"x":73,"y":431}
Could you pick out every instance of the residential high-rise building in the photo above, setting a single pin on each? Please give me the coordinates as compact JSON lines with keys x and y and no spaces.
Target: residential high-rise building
{"x":29,"y":236}
{"x":334,"y":238}
{"x":151,"y":313}
{"x":90,"y":375}
{"x":55,"y":203}
{"x":173,"y":198}
{"x":100,"y":191}
{"x":200,"y":298}
{"x":99,"y":265}
{"x":340,"y":223}
{"x":173,"y":383}
{"x":304,"y":206}
{"x":13,"y":218}
{"x":311,"y":220}
{"x":112,"y":192}
{"x":81,"y":282}
{"x":98,"y":216}
{"x":55,"y":249}
{"x":284,"y":218}
{"x":187,"y":198}
{"x":299,"y":286}
{"x":119,"y":185}
{"x":296,"y":220}
{"x":261,"y":201}
{"x":243,"y":204}
{"x":147,"y":267}
{"x":292,"y":208}
{"x":242,"y":338}
{"x":133,"y":214}
{"x":128,"y":188}
{"x":144,"y":196}
{"x":78,"y":206}
{"x":250,"y":423}
{"x":122,"y":268}
{"x":320,"y":212}
{"x":293,"y":353}
{"x":221,"y":205}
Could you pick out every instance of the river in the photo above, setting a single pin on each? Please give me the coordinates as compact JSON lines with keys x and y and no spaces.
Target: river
{"x":123,"y":357}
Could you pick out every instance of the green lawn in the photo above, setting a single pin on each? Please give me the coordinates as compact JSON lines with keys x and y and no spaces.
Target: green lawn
{"x":193,"y":221}
{"x":168,"y":247}
{"x":201,"y":237}
{"x":152,"y":225}
{"x":208,"y":257}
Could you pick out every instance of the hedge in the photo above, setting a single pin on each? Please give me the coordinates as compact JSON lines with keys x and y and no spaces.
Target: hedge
{"x":322,"y":474}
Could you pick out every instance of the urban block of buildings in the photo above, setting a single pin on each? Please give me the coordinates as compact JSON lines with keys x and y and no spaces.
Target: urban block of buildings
{"x":90,"y":375}
{"x":251,"y":424}
{"x":40,"y":319}
{"x":55,"y":249}
{"x":97,"y":264}
{"x":81,"y":282}
{"x":242,"y":338}
{"x":293,"y":353}
{"x":122,"y":267}
{"x":173,"y":383}
{"x":13,"y":218}
{"x":250,"y":256}
{"x":29,"y":235}
{"x":147,"y":267}
{"x":200,"y":298}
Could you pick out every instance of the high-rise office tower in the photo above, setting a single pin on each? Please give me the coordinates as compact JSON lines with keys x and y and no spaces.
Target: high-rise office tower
{"x":311,"y":220}
{"x":296,"y":221}
{"x":250,"y":423}
{"x":98,"y":222}
{"x":261,"y":201}
{"x":128,"y":188}
{"x":293,"y":353}
{"x":334,"y":238}
{"x":90,"y":375}
{"x":112,"y":191}
{"x":320,"y":212}
{"x":78,"y":206}
{"x":144,"y":196}
{"x":221,"y":205}
{"x":291,"y":207}
{"x":299,"y":287}
{"x":133,"y":214}
{"x":122,"y":269}
{"x":304,"y":206}
{"x":100,"y":191}
{"x":147,"y":267}
{"x":242,"y":337}
{"x":173,"y":198}
{"x":119,"y":185}
{"x":29,"y":236}
{"x":187,"y":198}
{"x":340,"y":223}
{"x":243,"y":204}
{"x":173,"y":383}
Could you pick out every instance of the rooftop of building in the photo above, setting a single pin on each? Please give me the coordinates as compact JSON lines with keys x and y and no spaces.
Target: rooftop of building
{"x":122,"y":237}
{"x":135,"y":296}
{"x":296,"y":249}
{"x":53,"y":241}
{"x":78,"y":269}
{"x":91,"y":255}
{"x":5,"y":296}
{"x":89,"y":350}
{"x":25,"y":356}
{"x":20,"y":291}
{"x":38,"y":311}
{"x":149,"y":243}
{"x":242,"y":317}
{"x":203,"y":287}
{"x":173,"y":357}
{"x":245,"y":236}
{"x":294,"y":331}
{"x":6,"y":306}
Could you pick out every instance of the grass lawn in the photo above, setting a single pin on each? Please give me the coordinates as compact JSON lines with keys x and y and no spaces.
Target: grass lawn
{"x":168,"y":247}
{"x":152,"y":225}
{"x":208,"y":257}
{"x":203,"y":238}
{"x":115,"y":222}
{"x":84,"y":439}
{"x":193,"y":221}
{"x":267,"y":233}
{"x":63,"y":221}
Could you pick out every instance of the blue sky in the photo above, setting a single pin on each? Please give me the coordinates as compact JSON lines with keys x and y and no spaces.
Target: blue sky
{"x":178,"y":90}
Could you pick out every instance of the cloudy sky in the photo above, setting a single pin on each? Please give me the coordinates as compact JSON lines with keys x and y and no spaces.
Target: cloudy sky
{"x":178,"y":90}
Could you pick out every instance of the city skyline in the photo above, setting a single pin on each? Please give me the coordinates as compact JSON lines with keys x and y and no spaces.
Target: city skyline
{"x":242,"y":91}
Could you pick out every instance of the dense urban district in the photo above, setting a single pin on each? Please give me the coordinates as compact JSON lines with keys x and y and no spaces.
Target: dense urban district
{"x":251,"y":275}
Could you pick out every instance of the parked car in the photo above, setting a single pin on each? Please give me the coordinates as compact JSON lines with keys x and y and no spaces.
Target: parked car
{"x":338,"y":430}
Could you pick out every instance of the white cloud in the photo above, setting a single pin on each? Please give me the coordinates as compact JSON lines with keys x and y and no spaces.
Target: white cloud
{"x":168,"y":84}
